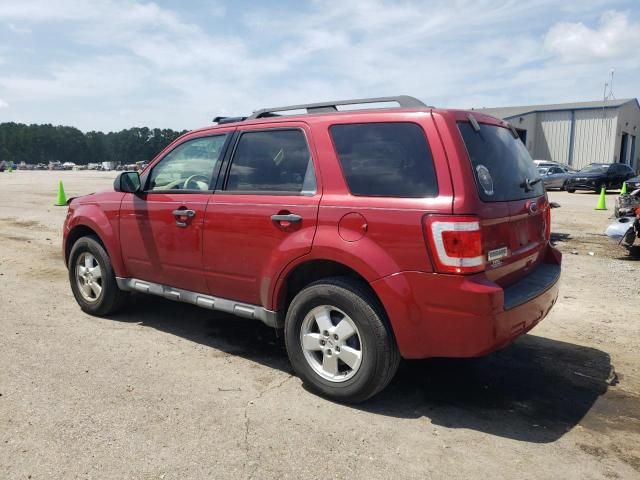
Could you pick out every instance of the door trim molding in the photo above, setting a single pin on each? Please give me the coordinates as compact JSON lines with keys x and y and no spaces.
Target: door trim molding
{"x":246,"y":310}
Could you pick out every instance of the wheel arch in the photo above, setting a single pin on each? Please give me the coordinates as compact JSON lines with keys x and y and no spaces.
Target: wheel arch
{"x":105,"y":232}
{"x":77,"y":233}
{"x":312,"y":270}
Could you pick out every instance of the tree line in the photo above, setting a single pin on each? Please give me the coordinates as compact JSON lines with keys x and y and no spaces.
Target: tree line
{"x":48,"y":143}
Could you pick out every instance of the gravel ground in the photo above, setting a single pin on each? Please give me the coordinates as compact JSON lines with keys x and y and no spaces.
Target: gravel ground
{"x":170,"y":391}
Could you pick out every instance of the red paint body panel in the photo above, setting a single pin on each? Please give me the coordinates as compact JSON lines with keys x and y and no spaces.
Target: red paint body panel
{"x":245,"y":249}
{"x":100,"y":213}
{"x":436,"y":315}
{"x":154,"y":247}
{"x":232,"y":248}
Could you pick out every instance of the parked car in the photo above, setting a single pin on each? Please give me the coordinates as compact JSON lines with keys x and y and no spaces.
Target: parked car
{"x":554,"y":176}
{"x":551,"y":163}
{"x":367,"y":235}
{"x":597,"y":175}
{"x":633,"y":184}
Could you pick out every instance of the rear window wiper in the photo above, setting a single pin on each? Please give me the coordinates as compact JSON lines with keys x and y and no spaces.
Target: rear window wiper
{"x":529,"y":184}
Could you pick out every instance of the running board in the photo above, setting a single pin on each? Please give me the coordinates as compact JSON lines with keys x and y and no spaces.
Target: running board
{"x":201,"y":300}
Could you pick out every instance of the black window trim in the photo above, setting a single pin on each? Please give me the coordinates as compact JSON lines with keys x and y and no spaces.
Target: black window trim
{"x":377,"y":122}
{"x":475,"y":179}
{"x":212,"y":184}
{"x":231,"y":154}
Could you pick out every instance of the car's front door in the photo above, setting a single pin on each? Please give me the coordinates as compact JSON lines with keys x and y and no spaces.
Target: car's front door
{"x":558,"y":176}
{"x":161,"y":227}
{"x":264,"y":215}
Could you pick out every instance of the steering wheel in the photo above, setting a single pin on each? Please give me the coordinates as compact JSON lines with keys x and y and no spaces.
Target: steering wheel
{"x":193,"y":179}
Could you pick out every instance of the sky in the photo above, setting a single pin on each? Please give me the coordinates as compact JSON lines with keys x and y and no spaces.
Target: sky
{"x":114,"y":64}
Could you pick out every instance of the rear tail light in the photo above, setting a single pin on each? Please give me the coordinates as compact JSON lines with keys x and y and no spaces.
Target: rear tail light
{"x":456,"y":243}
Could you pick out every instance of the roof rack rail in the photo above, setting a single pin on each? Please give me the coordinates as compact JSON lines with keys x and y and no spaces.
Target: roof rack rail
{"x":404,"y":101}
{"x":221,"y":120}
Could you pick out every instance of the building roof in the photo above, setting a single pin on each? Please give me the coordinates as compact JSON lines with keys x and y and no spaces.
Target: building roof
{"x":508,"y":112}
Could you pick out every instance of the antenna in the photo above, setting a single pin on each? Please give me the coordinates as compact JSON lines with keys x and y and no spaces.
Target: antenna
{"x":610,"y":95}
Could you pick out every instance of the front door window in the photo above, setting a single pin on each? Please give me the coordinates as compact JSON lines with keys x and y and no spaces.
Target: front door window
{"x":192,"y":166}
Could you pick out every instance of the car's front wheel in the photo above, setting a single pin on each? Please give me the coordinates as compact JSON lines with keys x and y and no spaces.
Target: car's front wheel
{"x":92,"y":278}
{"x":339,"y":341}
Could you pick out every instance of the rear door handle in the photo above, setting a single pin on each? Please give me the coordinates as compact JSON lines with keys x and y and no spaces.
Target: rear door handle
{"x":288,"y":217}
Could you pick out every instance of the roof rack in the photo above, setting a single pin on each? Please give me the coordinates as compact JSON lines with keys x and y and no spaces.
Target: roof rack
{"x":404,"y":101}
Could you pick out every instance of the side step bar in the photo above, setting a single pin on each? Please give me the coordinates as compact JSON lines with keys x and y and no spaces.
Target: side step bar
{"x":201,"y":300}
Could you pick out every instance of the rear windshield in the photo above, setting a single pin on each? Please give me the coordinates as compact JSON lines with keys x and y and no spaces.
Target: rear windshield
{"x":595,"y":168}
{"x":503,"y":168}
{"x":385,"y":159}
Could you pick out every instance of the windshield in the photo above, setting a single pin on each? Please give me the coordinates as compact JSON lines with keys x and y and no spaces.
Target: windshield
{"x":543,"y":171}
{"x":595,"y":169}
{"x":502,"y":165}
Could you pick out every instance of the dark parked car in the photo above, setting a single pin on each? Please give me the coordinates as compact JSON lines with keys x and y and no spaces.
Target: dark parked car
{"x":554,"y":176}
{"x":633,"y":184}
{"x":597,"y":175}
{"x":367,"y":235}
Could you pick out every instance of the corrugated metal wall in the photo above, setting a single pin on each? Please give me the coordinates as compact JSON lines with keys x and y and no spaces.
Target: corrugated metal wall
{"x":594,"y":136}
{"x":552,"y":136}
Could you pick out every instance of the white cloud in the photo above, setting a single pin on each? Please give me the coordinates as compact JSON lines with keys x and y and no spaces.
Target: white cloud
{"x":3,"y":104}
{"x":613,"y":38}
{"x":141,"y":63}
{"x":20,"y":30}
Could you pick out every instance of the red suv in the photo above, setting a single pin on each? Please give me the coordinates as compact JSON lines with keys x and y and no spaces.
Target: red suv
{"x":367,"y":234}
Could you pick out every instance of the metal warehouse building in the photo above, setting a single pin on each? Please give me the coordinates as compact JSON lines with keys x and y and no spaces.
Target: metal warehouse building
{"x":577,"y":134}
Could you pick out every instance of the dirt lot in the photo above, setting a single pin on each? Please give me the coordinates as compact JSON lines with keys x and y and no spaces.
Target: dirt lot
{"x":169,"y":391}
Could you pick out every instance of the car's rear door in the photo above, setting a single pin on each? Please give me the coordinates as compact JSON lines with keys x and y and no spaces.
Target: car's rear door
{"x":161,"y":227}
{"x":264,"y":213}
{"x":514,"y":209}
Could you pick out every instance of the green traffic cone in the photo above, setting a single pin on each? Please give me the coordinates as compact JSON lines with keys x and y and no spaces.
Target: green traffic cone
{"x":62,"y":199}
{"x":602,"y":204}
{"x":623,"y":190}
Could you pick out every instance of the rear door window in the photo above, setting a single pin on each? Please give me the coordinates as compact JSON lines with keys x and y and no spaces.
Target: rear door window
{"x":275,"y":161}
{"x":503,"y":168}
{"x":385,"y":159}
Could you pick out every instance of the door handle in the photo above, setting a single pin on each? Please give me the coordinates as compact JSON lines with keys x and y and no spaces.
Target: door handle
{"x":288,"y":217}
{"x":183,"y":212}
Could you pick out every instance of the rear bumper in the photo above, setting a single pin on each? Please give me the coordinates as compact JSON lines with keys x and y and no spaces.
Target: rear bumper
{"x":436,"y":315}
{"x":585,"y":185}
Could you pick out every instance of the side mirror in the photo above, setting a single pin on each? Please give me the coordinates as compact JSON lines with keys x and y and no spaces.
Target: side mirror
{"x":128,"y":182}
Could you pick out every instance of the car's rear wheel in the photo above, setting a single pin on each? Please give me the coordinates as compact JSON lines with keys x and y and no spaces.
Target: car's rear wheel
{"x":571,"y":190}
{"x":339,"y":341}
{"x":92,"y":278}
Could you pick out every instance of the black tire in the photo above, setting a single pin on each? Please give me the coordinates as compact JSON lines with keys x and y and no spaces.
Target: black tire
{"x":380,"y":355}
{"x":571,"y":190}
{"x":111,"y":298}
{"x":599,"y":188}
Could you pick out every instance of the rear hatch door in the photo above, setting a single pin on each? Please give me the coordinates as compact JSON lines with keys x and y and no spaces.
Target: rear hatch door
{"x":514,"y":211}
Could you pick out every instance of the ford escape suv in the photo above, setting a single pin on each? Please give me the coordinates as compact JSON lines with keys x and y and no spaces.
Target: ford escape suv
{"x":369,"y":235}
